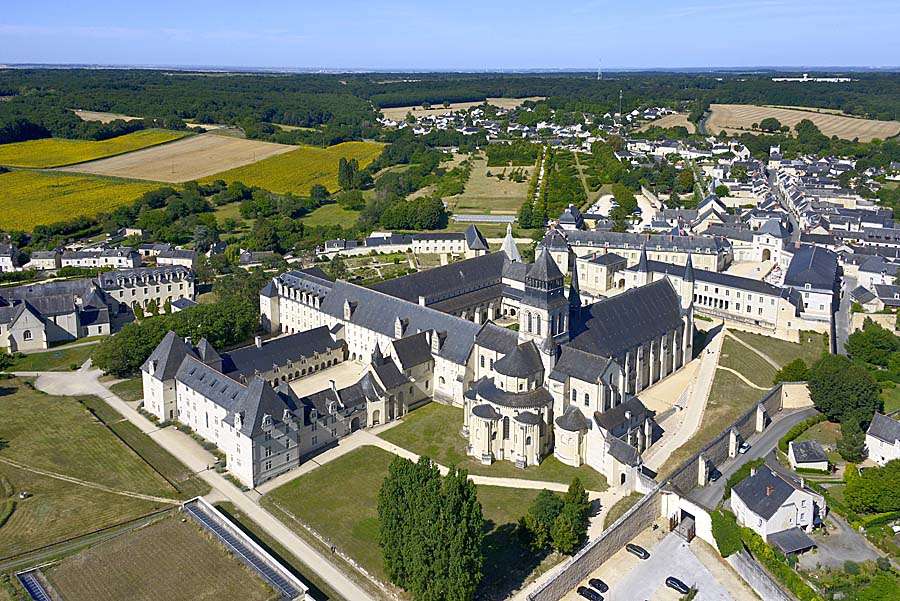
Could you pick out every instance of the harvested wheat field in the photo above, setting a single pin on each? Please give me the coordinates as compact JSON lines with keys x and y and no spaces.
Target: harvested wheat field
{"x":102,"y":117}
{"x":737,"y":118}
{"x":170,"y":559}
{"x":398,"y":113}
{"x":670,"y":121}
{"x":185,"y":160}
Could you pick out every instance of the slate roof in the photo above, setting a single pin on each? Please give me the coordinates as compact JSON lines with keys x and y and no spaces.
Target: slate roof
{"x":487,"y":390}
{"x":169,"y":355}
{"x":183,"y":303}
{"x":485,"y":411}
{"x":808,"y":451}
{"x":862,"y":295}
{"x":714,"y":277}
{"x":889,"y":294}
{"x":614,"y":325}
{"x":412,"y":350}
{"x":218,"y":387}
{"x":249,"y":360}
{"x":773,"y":227}
{"x":792,"y":540}
{"x":579,"y":364}
{"x":876,"y":264}
{"x":623,"y":452}
{"x":884,"y":428}
{"x":523,"y":361}
{"x":113,"y":280}
{"x":614,"y":418}
{"x":475,"y":240}
{"x":446,"y":281}
{"x":573,"y":420}
{"x":605,"y":239}
{"x":178,"y":253}
{"x":527,"y":417}
{"x":496,"y":338}
{"x":352,"y":397}
{"x":377,"y":311}
{"x":608,"y":259}
{"x":812,"y":265}
{"x":389,"y":375}
{"x":764,"y":492}
{"x":544,"y":268}
{"x":509,"y":247}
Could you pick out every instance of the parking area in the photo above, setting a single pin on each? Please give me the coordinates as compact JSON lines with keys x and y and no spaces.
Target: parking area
{"x":841,"y":544}
{"x":633,"y":579}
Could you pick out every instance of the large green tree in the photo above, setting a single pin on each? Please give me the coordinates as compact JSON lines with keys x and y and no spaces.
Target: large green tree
{"x":872,"y":344}
{"x":852,"y":444}
{"x":842,"y":389}
{"x":795,"y":371}
{"x":876,"y":489}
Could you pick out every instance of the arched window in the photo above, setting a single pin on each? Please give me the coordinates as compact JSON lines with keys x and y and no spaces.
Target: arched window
{"x":26,"y":335}
{"x":574,"y":395}
{"x":587,"y":399}
{"x":492,"y":364}
{"x":482,"y":361}
{"x":442,"y":380}
{"x":538,"y":320}
{"x":528,"y":317}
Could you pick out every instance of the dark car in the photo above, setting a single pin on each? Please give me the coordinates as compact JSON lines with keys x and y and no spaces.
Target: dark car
{"x":714,"y":475}
{"x":589,"y":593}
{"x":598,"y":584}
{"x":678,"y":585}
{"x":636,"y":550}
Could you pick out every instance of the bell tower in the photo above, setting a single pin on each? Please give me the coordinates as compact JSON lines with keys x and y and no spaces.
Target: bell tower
{"x":545,"y":310}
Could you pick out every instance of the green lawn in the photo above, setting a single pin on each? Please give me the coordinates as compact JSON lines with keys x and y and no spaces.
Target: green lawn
{"x":891,"y":398}
{"x":129,"y":390}
{"x":177,"y":474}
{"x":351,"y":520}
{"x":728,"y":399}
{"x":59,"y":435}
{"x":619,"y":509}
{"x":170,"y":559}
{"x":782,"y":352}
{"x":331,"y":214}
{"x":433,"y":430}
{"x":317,"y":587}
{"x":741,"y":359}
{"x":60,"y":359}
{"x":826,"y":433}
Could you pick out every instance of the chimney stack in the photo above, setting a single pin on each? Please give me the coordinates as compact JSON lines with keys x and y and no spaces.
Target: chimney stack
{"x":258,"y":341}
{"x":333,"y":386}
{"x":769,"y":490}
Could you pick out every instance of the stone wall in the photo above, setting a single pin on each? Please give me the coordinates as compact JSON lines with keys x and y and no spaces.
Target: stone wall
{"x":597,"y":551}
{"x":888,"y":321}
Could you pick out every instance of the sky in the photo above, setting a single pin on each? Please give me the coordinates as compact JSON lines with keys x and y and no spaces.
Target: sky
{"x":460,"y":34}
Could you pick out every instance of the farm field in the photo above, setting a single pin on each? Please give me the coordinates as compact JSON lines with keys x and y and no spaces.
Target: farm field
{"x":41,"y":197}
{"x":331,"y":214}
{"x":737,"y":118}
{"x":298,"y":169}
{"x":670,"y":121}
{"x":351,"y":521}
{"x":485,"y":194}
{"x":398,"y":113}
{"x":56,"y":152}
{"x":191,"y":158}
{"x":102,"y":117}
{"x":195,"y":567}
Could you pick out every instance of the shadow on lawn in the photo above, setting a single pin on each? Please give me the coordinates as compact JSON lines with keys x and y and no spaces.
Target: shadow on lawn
{"x":507,"y":562}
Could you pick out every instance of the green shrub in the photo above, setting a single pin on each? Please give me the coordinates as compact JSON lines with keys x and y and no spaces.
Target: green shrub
{"x":777,"y":565}
{"x":725,"y":531}
{"x":797,"y":430}
{"x":741,"y":473}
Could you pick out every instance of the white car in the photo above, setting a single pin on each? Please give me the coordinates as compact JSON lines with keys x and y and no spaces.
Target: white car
{"x":743,"y":448}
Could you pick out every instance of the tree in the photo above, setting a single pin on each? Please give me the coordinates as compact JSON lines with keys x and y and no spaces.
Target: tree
{"x":446,"y":104}
{"x":570,"y":527}
{"x":726,"y":532}
{"x":795,"y":371}
{"x":6,"y":361}
{"x":841,"y":389}
{"x":875,"y":490}
{"x":426,"y":105}
{"x":722,"y":191}
{"x":539,"y":520}
{"x":770,"y":124}
{"x":167,"y":307}
{"x":338,"y":267}
{"x":852,"y":444}
{"x":319,"y":193}
{"x":872,"y":344}
{"x":204,"y":237}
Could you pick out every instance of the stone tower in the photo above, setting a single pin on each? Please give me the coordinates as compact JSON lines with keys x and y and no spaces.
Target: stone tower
{"x":545,"y":310}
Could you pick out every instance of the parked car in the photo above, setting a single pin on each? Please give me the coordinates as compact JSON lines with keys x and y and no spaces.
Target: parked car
{"x":589,"y":593}
{"x":678,"y":585}
{"x":714,"y":475}
{"x":743,"y":448}
{"x":598,"y":584}
{"x":637,"y":550}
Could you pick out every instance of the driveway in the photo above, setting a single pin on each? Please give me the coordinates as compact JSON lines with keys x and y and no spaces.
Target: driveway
{"x":841,"y":544}
{"x":842,"y":316}
{"x":761,"y":445}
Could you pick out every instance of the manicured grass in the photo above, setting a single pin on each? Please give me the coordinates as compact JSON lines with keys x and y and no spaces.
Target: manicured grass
{"x":177,"y":474}
{"x":59,"y":434}
{"x":55,"y":196}
{"x":318,"y":587}
{"x":59,"y":510}
{"x":741,"y":359}
{"x":331,"y":214}
{"x":298,"y":170}
{"x":485,"y":194}
{"x":350,"y":520}
{"x":728,"y":399}
{"x":826,"y":433}
{"x":620,"y":507}
{"x":891,"y":398}
{"x":55,"y":152}
{"x":170,"y":559}
{"x":60,"y":359}
{"x":129,"y":390}
{"x":433,"y":430}
{"x":782,"y":352}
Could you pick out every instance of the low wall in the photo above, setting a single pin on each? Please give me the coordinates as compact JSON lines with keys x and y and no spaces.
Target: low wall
{"x":754,"y":575}
{"x":597,"y":551}
{"x":888,"y":321}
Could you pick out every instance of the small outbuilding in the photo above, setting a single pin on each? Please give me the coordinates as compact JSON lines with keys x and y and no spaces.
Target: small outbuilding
{"x":808,"y":455}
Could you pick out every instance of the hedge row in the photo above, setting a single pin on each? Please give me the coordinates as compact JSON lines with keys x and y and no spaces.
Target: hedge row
{"x":797,"y":430}
{"x":726,"y":532}
{"x":777,"y":565}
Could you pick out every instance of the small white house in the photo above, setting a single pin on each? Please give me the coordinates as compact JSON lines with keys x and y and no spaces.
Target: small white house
{"x":883,"y":439}
{"x":808,"y":455}
{"x":769,"y":503}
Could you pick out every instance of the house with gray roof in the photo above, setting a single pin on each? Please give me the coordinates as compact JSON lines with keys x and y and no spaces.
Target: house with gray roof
{"x":808,"y":455}
{"x":813,"y":272}
{"x":883,"y":439}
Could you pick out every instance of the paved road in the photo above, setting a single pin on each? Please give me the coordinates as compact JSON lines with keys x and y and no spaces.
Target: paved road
{"x":842,"y":316}
{"x":761,"y":444}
